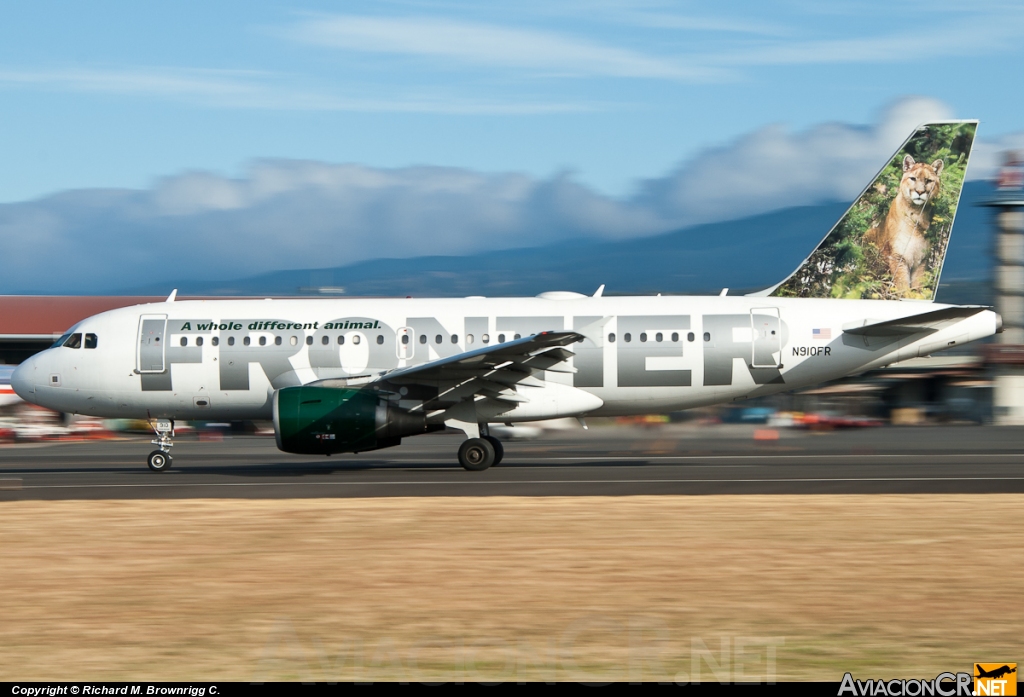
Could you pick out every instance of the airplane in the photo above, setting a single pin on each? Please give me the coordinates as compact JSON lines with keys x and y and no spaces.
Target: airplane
{"x":995,"y":673}
{"x":355,"y":375}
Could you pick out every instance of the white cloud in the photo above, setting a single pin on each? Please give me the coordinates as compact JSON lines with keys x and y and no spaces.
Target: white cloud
{"x":476,"y":44}
{"x":967,"y":36}
{"x":238,"y":89}
{"x":774,"y":168}
{"x":487,"y":44}
{"x":295,"y":214}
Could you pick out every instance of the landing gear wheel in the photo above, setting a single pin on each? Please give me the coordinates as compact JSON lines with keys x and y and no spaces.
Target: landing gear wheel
{"x":159,"y":461}
{"x":499,"y":449}
{"x":476,"y":454}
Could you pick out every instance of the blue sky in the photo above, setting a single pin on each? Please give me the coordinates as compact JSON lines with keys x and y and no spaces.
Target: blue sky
{"x":120,"y":94}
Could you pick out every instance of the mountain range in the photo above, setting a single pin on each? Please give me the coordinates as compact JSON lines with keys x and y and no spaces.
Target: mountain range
{"x":744,"y":255}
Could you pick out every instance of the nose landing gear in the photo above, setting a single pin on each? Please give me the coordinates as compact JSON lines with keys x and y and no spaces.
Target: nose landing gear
{"x":160,"y":460}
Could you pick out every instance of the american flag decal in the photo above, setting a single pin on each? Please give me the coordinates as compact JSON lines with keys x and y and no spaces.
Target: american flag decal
{"x":822,"y":334}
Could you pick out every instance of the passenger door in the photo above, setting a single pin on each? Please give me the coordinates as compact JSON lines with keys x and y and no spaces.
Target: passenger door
{"x":766,"y":330}
{"x":150,"y":356}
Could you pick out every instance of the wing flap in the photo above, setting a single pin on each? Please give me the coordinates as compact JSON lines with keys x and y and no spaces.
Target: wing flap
{"x":490,"y":373}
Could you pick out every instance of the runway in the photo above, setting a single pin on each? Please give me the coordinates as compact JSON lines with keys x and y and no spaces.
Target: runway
{"x":602,"y":462}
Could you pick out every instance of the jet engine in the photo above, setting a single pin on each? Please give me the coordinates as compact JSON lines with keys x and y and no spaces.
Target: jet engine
{"x":324,"y":420}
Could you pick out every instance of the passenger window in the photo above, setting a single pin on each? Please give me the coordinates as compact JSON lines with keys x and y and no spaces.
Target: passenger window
{"x":380,"y":338}
{"x":74,"y":341}
{"x":309,"y":341}
{"x":278,"y":341}
{"x":658,"y":337}
{"x":247,"y":341}
{"x":501,"y":338}
{"x":294,"y":341}
{"x":690,"y":336}
{"x":184,"y":341}
{"x":643,"y":336}
{"x":707,"y":336}
{"x":519,"y":336}
{"x":611,"y":338}
{"x":356,"y":339}
{"x":469,"y":338}
{"x":215,"y":341}
{"x":627,"y":337}
{"x":438,"y":339}
{"x":486,"y":338}
{"x":90,"y":341}
{"x":326,"y":340}
{"x":405,"y":339}
{"x":199,"y":341}
{"x":341,"y":339}
{"x":231,"y":341}
{"x":455,"y":338}
{"x":423,"y":338}
{"x":263,"y":341}
{"x":675,"y":336}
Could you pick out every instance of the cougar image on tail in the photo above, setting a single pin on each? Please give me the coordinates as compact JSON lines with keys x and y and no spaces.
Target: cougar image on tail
{"x":891,"y":242}
{"x":901,"y":236}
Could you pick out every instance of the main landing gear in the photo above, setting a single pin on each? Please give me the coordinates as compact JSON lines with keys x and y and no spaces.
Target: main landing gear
{"x":477,"y":454}
{"x":160,"y":460}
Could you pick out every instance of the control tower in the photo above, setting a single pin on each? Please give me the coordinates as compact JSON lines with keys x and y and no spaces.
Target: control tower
{"x":1007,"y":356}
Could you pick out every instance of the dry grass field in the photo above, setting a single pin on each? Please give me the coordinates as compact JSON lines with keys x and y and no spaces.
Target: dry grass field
{"x":510,"y":588}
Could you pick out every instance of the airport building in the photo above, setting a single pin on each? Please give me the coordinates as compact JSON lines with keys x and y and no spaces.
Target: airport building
{"x":29,"y":324}
{"x":1006,"y":356}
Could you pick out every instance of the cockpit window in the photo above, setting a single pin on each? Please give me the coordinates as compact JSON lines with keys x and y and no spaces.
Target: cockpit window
{"x":60,"y":341}
{"x":91,"y":341}
{"x":74,"y":341}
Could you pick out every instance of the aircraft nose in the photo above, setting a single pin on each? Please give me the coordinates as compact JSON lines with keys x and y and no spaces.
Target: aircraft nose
{"x":23,"y":379}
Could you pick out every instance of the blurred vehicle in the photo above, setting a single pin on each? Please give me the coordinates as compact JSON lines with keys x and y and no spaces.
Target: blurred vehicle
{"x":824,"y":421}
{"x":7,"y":395}
{"x":748,"y":415}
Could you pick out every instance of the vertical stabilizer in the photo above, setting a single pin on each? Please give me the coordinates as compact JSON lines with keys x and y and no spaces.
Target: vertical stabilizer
{"x":892,"y":241}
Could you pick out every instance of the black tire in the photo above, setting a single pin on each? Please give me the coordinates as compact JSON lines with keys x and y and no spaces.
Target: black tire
{"x":499,"y":449}
{"x":159,"y":461}
{"x":476,"y":454}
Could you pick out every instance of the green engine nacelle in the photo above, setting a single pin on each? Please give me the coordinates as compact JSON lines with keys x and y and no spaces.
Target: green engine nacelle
{"x":326,"y":420}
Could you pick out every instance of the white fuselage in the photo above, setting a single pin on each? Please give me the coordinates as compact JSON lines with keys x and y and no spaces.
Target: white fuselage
{"x":224,"y":359}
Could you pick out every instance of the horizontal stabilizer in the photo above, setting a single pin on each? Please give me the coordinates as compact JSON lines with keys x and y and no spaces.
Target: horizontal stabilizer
{"x":915,"y":324}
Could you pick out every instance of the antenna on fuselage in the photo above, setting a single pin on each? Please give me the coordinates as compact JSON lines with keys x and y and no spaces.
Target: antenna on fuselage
{"x":172,"y":296}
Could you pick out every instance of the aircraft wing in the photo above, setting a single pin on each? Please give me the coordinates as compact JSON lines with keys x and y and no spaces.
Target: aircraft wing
{"x":926,"y":322}
{"x":490,"y":372}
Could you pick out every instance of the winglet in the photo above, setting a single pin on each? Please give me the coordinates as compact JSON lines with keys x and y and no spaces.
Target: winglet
{"x":172,"y":296}
{"x":599,"y":292}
